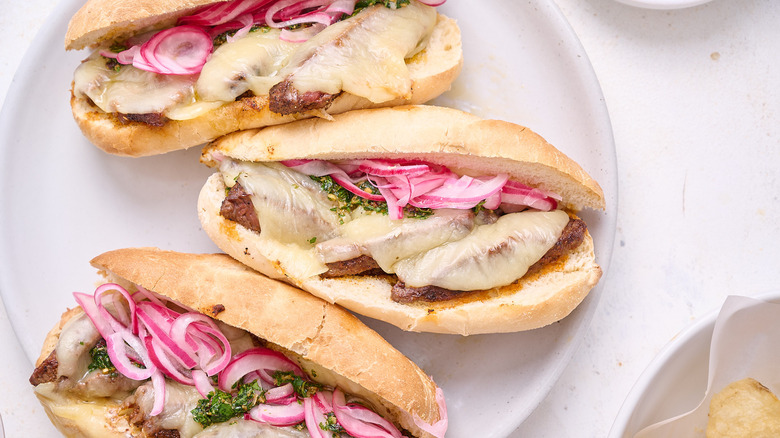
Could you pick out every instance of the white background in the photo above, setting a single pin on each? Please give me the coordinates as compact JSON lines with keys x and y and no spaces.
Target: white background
{"x":694,"y":97}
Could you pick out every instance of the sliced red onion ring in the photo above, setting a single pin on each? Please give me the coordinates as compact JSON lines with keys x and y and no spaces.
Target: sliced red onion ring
{"x":439,"y":428}
{"x":117,"y":345}
{"x":158,"y":384}
{"x":387,"y":168}
{"x":256,"y":359}
{"x":315,"y":410}
{"x":360,"y":421}
{"x":280,"y":394}
{"x":278,"y":415}
{"x":180,"y":50}
{"x":425,"y":185}
{"x":202,"y":383}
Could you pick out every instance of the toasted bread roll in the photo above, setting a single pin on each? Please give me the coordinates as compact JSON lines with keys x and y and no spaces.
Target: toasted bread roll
{"x":319,"y":337}
{"x":127,"y":111}
{"x":541,"y":288}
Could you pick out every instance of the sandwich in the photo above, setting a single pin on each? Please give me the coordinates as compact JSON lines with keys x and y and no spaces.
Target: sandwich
{"x":168,"y":75}
{"x":198,"y":345}
{"x":428,"y":218}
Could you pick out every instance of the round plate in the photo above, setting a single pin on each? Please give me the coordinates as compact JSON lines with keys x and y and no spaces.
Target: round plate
{"x":664,"y":4}
{"x":65,"y":201}
{"x":675,"y":380}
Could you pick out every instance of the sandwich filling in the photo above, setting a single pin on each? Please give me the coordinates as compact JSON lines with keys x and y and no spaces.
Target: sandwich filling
{"x":434,"y":234}
{"x":145,"y":362}
{"x":365,"y":54}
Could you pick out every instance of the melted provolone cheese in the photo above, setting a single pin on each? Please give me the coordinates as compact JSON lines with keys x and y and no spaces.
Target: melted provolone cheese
{"x":78,"y":336}
{"x":249,"y":63}
{"x":365,"y":55}
{"x":130,"y":90}
{"x":180,"y":400}
{"x":492,"y":255}
{"x":290,"y":206}
{"x":388,"y":241}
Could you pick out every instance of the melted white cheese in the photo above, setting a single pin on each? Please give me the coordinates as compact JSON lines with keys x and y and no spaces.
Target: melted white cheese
{"x":290,"y":207}
{"x":130,"y":90}
{"x":78,"y":336}
{"x":363,"y":56}
{"x":388,"y":241}
{"x":492,"y":255}
{"x":249,"y":63}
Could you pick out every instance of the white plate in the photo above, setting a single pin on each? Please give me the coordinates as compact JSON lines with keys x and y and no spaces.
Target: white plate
{"x":675,"y":380}
{"x":664,"y":4}
{"x":64,"y":201}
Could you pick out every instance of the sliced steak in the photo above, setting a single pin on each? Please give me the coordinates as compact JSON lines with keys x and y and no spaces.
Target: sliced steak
{"x":45,"y":372}
{"x":152,"y":119}
{"x":238,"y":207}
{"x":363,"y":265}
{"x":285,"y":99}
{"x":403,"y":294}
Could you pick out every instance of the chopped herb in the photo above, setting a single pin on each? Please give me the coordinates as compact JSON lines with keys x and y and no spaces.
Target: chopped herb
{"x":302,"y":387}
{"x":117,"y":47}
{"x":331,"y":424}
{"x":392,"y":4}
{"x":312,"y":240}
{"x":348,"y":201}
{"x":300,"y":426}
{"x":220,"y":406}
{"x":100,"y":359}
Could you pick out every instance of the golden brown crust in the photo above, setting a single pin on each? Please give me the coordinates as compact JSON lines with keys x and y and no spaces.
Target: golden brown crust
{"x":321,"y":335}
{"x":432,"y":72}
{"x":446,"y":136}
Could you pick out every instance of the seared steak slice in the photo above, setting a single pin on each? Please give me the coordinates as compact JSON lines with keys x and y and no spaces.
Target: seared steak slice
{"x":285,"y":99}
{"x":363,"y":265}
{"x":46,"y":371}
{"x":238,"y":207}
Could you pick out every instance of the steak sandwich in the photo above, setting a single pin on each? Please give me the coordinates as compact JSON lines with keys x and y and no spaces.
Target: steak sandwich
{"x":185,"y":345}
{"x":171,"y":74}
{"x":428,"y":218}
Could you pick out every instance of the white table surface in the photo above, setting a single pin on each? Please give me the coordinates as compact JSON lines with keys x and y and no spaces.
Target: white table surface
{"x":694,"y":97}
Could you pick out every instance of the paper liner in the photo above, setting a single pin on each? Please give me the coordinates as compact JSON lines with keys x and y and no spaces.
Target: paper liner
{"x":745,"y":343}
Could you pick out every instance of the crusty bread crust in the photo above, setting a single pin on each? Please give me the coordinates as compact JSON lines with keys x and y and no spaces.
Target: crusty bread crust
{"x":458,"y":140}
{"x":432,"y":72}
{"x":320,"y":336}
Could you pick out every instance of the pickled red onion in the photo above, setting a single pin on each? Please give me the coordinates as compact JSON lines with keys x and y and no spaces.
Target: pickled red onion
{"x":360,"y":421}
{"x":278,"y":415}
{"x":256,"y":359}
{"x":140,"y":344}
{"x":439,"y":428}
{"x":426,"y":185}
